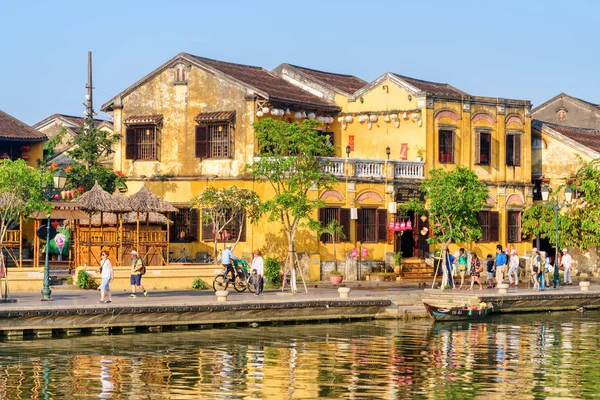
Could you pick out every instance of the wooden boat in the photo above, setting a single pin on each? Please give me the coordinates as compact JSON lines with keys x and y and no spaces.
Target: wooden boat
{"x":456,"y":313}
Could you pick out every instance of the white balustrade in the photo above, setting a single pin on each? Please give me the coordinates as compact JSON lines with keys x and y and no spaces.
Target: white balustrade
{"x":409,"y":169}
{"x":334,"y":166}
{"x":368,"y":168}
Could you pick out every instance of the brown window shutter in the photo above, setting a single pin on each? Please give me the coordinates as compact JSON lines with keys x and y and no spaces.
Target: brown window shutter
{"x":453,"y":149}
{"x":207,"y":231}
{"x":201,"y":141}
{"x":194,"y":220}
{"x":494,"y":226}
{"x":157,"y":138}
{"x":130,"y":144}
{"x":323,"y":238}
{"x":243,"y":234}
{"x":517,"y":150}
{"x":359,"y":225}
{"x":345,"y":222}
{"x":382,"y":225}
{"x":477,"y":150}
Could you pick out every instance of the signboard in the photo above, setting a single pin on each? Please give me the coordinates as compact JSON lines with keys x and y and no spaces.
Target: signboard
{"x":351,"y":142}
{"x":403,"y":151}
{"x":403,"y":194}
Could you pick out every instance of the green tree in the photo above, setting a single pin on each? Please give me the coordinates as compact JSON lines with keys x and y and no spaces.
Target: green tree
{"x":453,"y":200}
{"x":226,"y":207}
{"x":290,"y":163}
{"x":335,"y":230}
{"x":20,"y":193}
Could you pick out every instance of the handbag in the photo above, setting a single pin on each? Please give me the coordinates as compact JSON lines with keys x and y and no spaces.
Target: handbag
{"x":101,"y":266}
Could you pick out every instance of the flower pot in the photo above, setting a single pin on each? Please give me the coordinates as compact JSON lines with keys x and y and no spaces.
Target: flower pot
{"x":336,"y":279}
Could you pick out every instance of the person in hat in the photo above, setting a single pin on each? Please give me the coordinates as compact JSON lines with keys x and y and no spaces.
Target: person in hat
{"x":513,"y":268}
{"x":137,"y":265}
{"x":535,"y":268}
{"x":227,"y":258}
{"x":565,"y":263}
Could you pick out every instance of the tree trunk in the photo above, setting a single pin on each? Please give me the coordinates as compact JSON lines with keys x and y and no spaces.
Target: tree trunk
{"x":334,"y":255}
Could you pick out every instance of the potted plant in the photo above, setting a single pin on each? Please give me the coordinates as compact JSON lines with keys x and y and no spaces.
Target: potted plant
{"x":335,"y":276}
{"x":398,"y":262}
{"x":420,"y":153}
{"x":333,"y":229}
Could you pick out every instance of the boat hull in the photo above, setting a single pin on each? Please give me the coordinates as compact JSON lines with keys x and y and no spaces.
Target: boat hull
{"x":455,"y":313}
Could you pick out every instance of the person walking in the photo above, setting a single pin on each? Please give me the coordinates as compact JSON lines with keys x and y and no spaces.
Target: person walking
{"x":535,"y":268}
{"x":447,"y":278}
{"x":544,"y":269}
{"x":227,"y":258}
{"x":258,"y":267}
{"x":106,"y":270}
{"x":500,"y":264}
{"x":135,"y":279}
{"x":462,"y":266}
{"x":566,"y":262}
{"x":513,"y":268}
{"x":491,"y":270}
{"x":475,"y":271}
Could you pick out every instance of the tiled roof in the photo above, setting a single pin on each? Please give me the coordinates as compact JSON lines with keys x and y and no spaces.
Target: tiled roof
{"x":215,"y":116}
{"x":143,"y":119}
{"x":587,"y":137}
{"x":78,"y":121}
{"x":13,"y":129}
{"x":345,"y":83}
{"x":275,"y":87}
{"x":433,"y":87}
{"x":588,"y":103}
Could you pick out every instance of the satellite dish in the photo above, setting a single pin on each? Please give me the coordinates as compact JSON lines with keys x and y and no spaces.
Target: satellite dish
{"x":42,"y":232}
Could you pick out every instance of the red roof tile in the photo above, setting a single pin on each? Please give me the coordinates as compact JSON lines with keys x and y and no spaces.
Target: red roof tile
{"x":13,"y":129}
{"x":143,"y":119}
{"x":433,"y":87}
{"x":275,"y":87}
{"x":215,"y":116}
{"x":346,"y":83}
{"x":587,"y":137}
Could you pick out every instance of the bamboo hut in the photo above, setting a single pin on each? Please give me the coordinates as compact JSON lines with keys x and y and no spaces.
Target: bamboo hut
{"x":150,"y":244}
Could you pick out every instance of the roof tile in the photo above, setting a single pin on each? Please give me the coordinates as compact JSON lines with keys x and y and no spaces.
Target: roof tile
{"x":433,"y":87}
{"x":13,"y":129}
{"x":587,"y":137}
{"x":346,"y":83}
{"x":143,"y":119}
{"x":215,"y":116}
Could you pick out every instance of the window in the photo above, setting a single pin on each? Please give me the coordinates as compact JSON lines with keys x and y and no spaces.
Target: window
{"x":514,"y":226}
{"x":513,"y":149}
{"x":488,"y":221}
{"x":342,"y":215}
{"x":561,"y":115}
{"x":483,"y":147}
{"x":185,"y":225}
{"x":214,"y":141}
{"x":537,"y":189}
{"x":228,"y":234}
{"x":180,"y":74}
{"x":371,"y":225}
{"x":328,"y":137}
{"x":142,"y":142}
{"x":446,"y":146}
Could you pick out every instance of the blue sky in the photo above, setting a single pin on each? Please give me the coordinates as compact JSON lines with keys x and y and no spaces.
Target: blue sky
{"x":514,"y":49}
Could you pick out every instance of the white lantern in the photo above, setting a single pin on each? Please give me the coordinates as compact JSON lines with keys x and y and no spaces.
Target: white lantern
{"x":386,"y":118}
{"x":349,"y":118}
{"x":311,"y":115}
{"x":369,"y":124}
{"x":397,"y":123}
{"x":419,"y":122}
{"x":320,"y":119}
{"x":297,"y":115}
{"x":303,"y":114}
{"x":281,"y":112}
{"x":393,"y":117}
{"x":330,"y":120}
{"x":415,"y":115}
{"x":259,"y":113}
{"x":265,"y":110}
{"x":344,"y":125}
{"x":340,"y":119}
{"x":274,"y":112}
{"x":287,"y":111}
{"x":373,"y":118}
{"x":404,"y":116}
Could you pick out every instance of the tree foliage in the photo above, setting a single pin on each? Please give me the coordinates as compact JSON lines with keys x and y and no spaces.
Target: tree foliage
{"x":335,"y":229}
{"x":225,"y":207}
{"x":20,"y":193}
{"x":290,"y":163}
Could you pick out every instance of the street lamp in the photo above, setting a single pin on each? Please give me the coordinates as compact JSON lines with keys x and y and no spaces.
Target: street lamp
{"x":557,"y":206}
{"x":388,"y":151}
{"x":348,"y":150}
{"x":58,"y":183}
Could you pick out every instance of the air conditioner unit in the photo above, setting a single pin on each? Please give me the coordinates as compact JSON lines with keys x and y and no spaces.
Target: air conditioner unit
{"x":353,"y":213}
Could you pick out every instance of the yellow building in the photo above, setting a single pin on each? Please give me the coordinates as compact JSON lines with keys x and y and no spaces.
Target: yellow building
{"x":188,"y":125}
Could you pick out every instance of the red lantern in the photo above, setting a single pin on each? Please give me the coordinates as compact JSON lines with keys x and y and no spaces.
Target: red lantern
{"x":403,"y":226}
{"x":365,"y":252}
{"x":397,"y":227}
{"x":409,"y":225}
{"x":391,"y":227}
{"x":54,"y":223}
{"x":354,"y":253}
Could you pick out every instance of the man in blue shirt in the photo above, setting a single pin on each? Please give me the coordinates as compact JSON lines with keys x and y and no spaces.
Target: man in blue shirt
{"x":500,"y":264}
{"x":449,"y":261}
{"x":226,"y":258}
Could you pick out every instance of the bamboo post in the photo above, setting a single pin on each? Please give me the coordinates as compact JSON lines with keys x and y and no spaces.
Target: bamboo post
{"x":168,"y":241}
{"x":20,"y":240}
{"x":120,"y":244}
{"x":89,"y":257}
{"x":36,"y":244}
{"x":137,"y":233}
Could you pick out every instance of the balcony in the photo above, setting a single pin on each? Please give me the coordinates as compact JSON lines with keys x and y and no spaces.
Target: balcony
{"x":365,"y":168}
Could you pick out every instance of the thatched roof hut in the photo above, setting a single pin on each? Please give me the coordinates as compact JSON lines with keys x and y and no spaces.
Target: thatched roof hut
{"x":128,"y":218}
{"x":146,"y":201}
{"x":98,"y":200}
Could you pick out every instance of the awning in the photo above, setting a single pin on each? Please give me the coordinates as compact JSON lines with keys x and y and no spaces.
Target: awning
{"x":61,"y":214}
{"x":143,"y":119}
{"x":216,"y":116}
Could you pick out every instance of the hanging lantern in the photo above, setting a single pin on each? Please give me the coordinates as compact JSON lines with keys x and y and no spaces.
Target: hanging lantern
{"x":320,"y":119}
{"x":409,"y":225}
{"x":391,"y":227}
{"x":344,"y":125}
{"x":397,"y":123}
{"x":402,"y":226}
{"x":419,"y":122}
{"x":415,"y":115}
{"x":297,"y":115}
{"x":287,"y":111}
{"x":404,"y":115}
{"x":303,"y":114}
{"x":393,"y":117}
{"x":397,"y":226}
{"x":265,"y":110}
{"x":369,"y":125}
{"x":259,"y":114}
{"x":365,"y":253}
{"x":311,"y":115}
{"x":349,"y":118}
{"x":354,"y":253}
{"x":373,"y":118}
{"x":275,"y":112}
{"x":340,"y":119}
{"x":386,"y":118}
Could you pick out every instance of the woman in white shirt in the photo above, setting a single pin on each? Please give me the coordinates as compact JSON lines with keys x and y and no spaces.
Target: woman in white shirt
{"x":107,"y":275}
{"x":258,"y":265}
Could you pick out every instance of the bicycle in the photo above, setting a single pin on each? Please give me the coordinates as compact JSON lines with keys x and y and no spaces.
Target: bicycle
{"x":242,"y":278}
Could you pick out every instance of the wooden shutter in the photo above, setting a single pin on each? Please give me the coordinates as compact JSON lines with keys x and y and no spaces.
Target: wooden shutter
{"x":494,"y":226}
{"x":477,"y":147}
{"x":517,"y":150}
{"x":382,"y":225}
{"x":194,"y":220}
{"x":243,"y":228}
{"x":323,"y":237}
{"x":130,"y":144}
{"x":207,"y":231}
{"x":345,"y":222}
{"x":452,"y":148}
{"x":157,"y":141}
{"x":359,"y":225}
{"x":201,"y":141}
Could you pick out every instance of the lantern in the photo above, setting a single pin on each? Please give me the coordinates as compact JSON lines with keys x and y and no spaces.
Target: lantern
{"x":386,"y":118}
{"x":340,"y":119}
{"x":409,"y":225}
{"x":373,"y":118}
{"x":391,"y":227}
{"x":349,"y":118}
{"x":344,"y":125}
{"x":311,"y":115}
{"x":320,"y":119}
{"x":369,"y":124}
{"x":297,"y":115}
{"x":259,"y":114}
{"x":397,"y":227}
{"x":397,"y":123}
{"x":303,"y":114}
{"x":402,"y":226}
{"x":265,"y":110}
{"x":364,"y":253}
{"x":354,"y":253}
{"x":415,"y":115}
{"x":287,"y":111}
{"x":393,"y":117}
{"x":404,"y":116}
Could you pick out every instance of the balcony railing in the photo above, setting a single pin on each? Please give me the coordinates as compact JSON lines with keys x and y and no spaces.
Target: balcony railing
{"x":365,"y":168}
{"x":371,"y":169}
{"x":334,"y":166}
{"x":409,"y":169}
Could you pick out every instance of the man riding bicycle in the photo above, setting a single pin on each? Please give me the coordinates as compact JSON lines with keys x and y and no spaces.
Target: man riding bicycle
{"x":227,"y":258}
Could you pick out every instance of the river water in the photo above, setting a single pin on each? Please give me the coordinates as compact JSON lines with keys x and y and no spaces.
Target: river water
{"x":510,"y":357}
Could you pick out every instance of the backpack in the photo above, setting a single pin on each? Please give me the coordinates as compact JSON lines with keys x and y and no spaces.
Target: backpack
{"x":143,"y":270}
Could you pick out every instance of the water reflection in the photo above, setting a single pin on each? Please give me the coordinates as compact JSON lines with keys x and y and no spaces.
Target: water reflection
{"x":527,"y":356}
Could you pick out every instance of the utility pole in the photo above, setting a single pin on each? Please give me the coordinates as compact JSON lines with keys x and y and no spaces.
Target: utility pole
{"x":89,"y":104}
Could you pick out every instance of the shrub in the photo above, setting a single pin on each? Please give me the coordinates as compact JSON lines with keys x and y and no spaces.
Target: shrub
{"x":85,"y":281}
{"x":199,"y":284}
{"x":273,"y":272}
{"x":334,"y":272}
{"x":398,"y":259}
